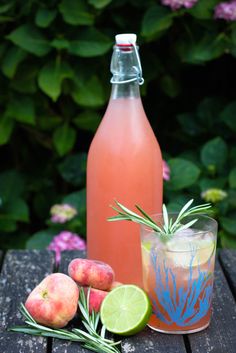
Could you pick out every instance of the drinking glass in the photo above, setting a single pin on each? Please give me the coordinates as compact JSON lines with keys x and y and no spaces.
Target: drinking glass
{"x":178,"y":275}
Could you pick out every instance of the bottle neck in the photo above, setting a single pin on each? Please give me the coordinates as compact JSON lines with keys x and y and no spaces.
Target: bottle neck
{"x":125,"y":90}
{"x":127,"y":72}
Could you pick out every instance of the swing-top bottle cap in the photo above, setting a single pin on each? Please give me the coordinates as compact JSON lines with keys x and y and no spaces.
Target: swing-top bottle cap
{"x":126,"y":39}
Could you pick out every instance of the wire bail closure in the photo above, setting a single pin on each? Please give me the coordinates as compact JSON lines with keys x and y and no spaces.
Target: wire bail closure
{"x":139,"y":71}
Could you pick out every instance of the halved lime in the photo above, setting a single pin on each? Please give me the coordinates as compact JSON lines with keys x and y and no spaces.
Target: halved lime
{"x":125,"y":310}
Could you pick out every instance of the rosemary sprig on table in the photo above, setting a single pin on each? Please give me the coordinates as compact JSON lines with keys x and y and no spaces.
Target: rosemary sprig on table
{"x":91,"y":339}
{"x":168,"y":226}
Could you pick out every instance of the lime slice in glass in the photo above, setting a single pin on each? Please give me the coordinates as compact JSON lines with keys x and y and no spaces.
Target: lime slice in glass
{"x":126,"y":310}
{"x":195,"y":252}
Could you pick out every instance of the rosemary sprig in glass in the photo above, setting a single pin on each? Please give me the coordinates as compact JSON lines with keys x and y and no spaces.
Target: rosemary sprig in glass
{"x":91,"y":338}
{"x":169,"y":226}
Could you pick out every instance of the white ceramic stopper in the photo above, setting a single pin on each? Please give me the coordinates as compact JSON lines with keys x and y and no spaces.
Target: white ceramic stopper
{"x":126,"y":38}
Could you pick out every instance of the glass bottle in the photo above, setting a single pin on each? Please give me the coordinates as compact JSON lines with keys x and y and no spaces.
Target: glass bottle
{"x":124,"y":164}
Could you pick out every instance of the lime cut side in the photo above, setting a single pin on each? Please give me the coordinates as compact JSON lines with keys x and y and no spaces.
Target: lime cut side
{"x":126,"y":310}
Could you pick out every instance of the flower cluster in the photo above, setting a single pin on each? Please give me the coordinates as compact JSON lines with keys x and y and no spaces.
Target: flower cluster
{"x":66,"y":240}
{"x":214,"y":195}
{"x":226,"y":11}
{"x":166,"y":171}
{"x":177,"y":4}
{"x":62,"y":213}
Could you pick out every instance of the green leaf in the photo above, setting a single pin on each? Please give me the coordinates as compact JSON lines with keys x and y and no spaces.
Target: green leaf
{"x":44,"y":17}
{"x":3,"y":47}
{"x":90,"y":94}
{"x":189,"y":124}
{"x":30,"y":39}
{"x":228,"y":116}
{"x":25,"y":78}
{"x":5,"y":7}
{"x":227,"y":240}
{"x":207,"y":183}
{"x":232,"y":198}
{"x":99,"y":4}
{"x":214,"y":154}
{"x":183,"y":174}
{"x":203,"y":9}
{"x":232,"y":178}
{"x":11,"y":61}
{"x":51,"y":77}
{"x":170,"y":86}
{"x":232,"y":154}
{"x":12,"y":185}
{"x":7,"y":225}
{"x":177,"y":202}
{"x":73,"y":169}
{"x":208,"y":111}
{"x":49,"y":123}
{"x":78,"y":200}
{"x":60,"y":43}
{"x":228,"y":224}
{"x":76,"y":12}
{"x":88,"y":120}
{"x":64,"y":138}
{"x":16,"y":210}
{"x":5,"y":19}
{"x":232,"y":45}
{"x":156,"y":19}
{"x":207,"y":47}
{"x":89,"y":43}
{"x":40,"y":240}
{"x":22,"y":109}
{"x":6,"y":128}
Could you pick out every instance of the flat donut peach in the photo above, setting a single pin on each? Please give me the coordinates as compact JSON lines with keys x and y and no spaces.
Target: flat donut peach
{"x":91,"y":273}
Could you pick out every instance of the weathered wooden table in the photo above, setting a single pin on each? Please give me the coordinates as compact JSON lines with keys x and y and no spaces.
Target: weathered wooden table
{"x":22,"y":270}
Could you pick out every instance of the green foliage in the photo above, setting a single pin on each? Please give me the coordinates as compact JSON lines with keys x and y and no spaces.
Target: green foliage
{"x":215,"y":165}
{"x":13,"y":208}
{"x":30,"y":39}
{"x":51,"y":77}
{"x":90,"y":94}
{"x":89,"y":43}
{"x":183,"y":174}
{"x":41,"y":239}
{"x":22,"y":109}
{"x":76,"y":12}
{"x":6,"y":127}
{"x":73,"y":169}
{"x":54,"y":77}
{"x":156,"y":20}
{"x":44,"y":17}
{"x":64,"y":139}
{"x":214,"y":154}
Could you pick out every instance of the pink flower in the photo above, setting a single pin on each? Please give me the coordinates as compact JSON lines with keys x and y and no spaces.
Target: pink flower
{"x":177,"y":4}
{"x":66,"y":240}
{"x":166,"y":171}
{"x":226,"y":11}
{"x":62,"y":213}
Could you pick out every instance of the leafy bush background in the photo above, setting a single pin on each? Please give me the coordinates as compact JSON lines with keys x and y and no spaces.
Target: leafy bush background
{"x":54,"y":79}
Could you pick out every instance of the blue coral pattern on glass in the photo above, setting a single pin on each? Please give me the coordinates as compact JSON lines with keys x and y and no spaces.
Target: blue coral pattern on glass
{"x":180,"y":303}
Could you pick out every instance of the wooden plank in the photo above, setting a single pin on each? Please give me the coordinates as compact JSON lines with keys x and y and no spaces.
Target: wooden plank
{"x":220,"y":336}
{"x":228,"y":262}
{"x":22,"y":270}
{"x":152,"y":341}
{"x":59,"y":346}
